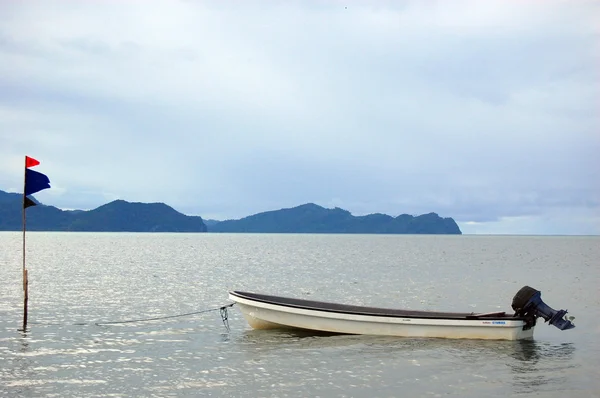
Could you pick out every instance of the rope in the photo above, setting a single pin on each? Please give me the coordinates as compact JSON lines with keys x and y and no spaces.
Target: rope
{"x":222,"y":309}
{"x":225,"y":317}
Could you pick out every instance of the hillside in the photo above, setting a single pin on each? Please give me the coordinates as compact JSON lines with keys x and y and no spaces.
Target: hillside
{"x":116,"y":216}
{"x":122,"y":216}
{"x":311,"y":218}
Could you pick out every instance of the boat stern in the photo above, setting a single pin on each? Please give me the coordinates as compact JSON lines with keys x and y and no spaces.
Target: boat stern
{"x":528,"y":304}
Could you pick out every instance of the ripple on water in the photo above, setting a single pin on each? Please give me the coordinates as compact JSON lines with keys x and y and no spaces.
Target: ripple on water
{"x":133,"y":276}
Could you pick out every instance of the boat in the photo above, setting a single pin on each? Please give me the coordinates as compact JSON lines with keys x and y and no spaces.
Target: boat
{"x":263,"y":311}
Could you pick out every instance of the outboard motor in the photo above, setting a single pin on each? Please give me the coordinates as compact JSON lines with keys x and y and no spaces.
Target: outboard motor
{"x":528,"y":303}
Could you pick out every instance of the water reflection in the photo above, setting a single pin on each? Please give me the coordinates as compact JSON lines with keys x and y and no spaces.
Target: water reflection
{"x":19,"y":365}
{"x":527,"y":352}
{"x":533,"y":365}
{"x":531,"y":351}
{"x":541,"y":366}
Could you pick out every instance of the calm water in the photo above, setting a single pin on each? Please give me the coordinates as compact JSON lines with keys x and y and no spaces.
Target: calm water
{"x":80,"y":279}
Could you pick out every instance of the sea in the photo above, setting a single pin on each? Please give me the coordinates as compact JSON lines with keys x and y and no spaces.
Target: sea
{"x":82,"y":284}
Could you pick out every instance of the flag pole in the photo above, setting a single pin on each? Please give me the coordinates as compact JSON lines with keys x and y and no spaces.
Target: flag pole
{"x":37,"y":182}
{"x":25,"y":280}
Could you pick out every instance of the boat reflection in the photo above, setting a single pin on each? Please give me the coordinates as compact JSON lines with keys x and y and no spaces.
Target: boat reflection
{"x":530,"y":365}
{"x":527,"y":352}
{"x":542,"y":366}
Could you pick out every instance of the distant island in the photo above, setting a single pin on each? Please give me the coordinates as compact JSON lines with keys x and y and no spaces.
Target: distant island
{"x":122,"y":216}
{"x":312,"y":218}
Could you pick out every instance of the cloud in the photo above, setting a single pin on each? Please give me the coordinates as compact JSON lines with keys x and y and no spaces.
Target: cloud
{"x":483,"y":111}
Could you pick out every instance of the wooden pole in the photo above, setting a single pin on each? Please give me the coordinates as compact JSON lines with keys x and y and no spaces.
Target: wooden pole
{"x":25,"y":300}
{"x":25,"y":279}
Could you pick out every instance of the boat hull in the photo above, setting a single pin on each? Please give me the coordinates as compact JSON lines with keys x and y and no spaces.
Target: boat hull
{"x":263,"y":315}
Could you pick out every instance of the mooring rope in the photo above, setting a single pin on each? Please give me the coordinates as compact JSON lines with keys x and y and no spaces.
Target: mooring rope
{"x":225,"y":316}
{"x":223,"y":311}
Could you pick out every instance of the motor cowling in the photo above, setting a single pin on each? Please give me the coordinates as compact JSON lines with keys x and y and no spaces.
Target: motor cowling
{"x":528,"y":303}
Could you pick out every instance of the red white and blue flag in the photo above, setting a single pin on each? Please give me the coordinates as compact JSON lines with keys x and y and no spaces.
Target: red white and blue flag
{"x":34,"y":181}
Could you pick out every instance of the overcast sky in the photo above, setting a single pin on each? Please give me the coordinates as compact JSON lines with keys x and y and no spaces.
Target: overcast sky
{"x":484,"y":111}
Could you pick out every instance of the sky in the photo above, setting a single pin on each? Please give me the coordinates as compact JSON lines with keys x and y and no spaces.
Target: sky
{"x":483,"y":111}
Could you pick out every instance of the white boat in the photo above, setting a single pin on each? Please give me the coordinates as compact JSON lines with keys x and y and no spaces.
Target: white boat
{"x":274,"y":312}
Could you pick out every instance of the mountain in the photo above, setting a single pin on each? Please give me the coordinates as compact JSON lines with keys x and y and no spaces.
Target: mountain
{"x":312,"y":218}
{"x":116,"y":216}
{"x":210,"y":222}
{"x":122,"y":216}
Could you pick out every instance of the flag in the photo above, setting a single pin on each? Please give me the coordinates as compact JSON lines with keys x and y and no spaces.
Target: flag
{"x":35,"y":181}
{"x":28,"y":202}
{"x":30,"y":162}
